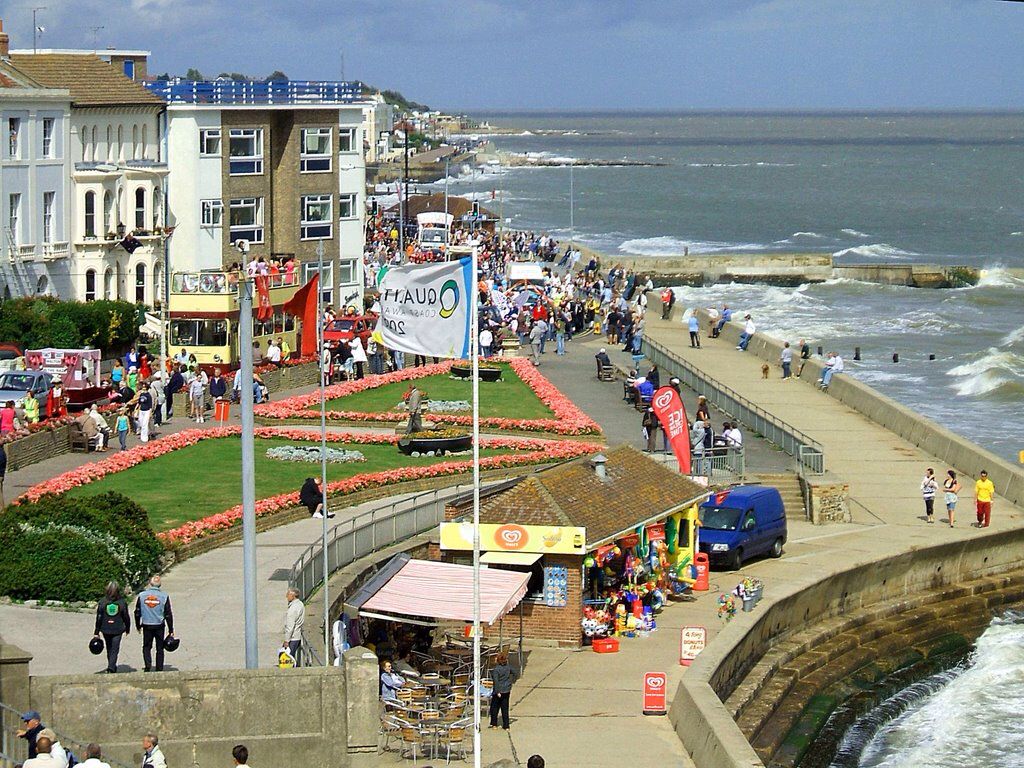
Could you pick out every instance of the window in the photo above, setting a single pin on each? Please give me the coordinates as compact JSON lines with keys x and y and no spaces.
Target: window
{"x":246,"y":218}
{"x":346,"y":139}
{"x":316,"y":217}
{"x":48,"y":199}
{"x":119,"y":151}
{"x":209,"y":142}
{"x":145,"y":141}
{"x":347,"y":206}
{"x":135,"y":142}
{"x":213,"y":212}
{"x":13,"y":214}
{"x":87,"y":147}
{"x":90,"y":285}
{"x":47,"y":146}
{"x":246,"y":151}
{"x":316,"y":150}
{"x":326,"y":280}
{"x":204,"y":333}
{"x":110,"y":145}
{"x":158,"y":208}
{"x":108,"y":211}
{"x":140,"y":208}
{"x":129,"y":69}
{"x":347,"y":271}
{"x":108,"y":284}
{"x":90,"y":214}
{"x":140,"y":283}
{"x":14,"y":140}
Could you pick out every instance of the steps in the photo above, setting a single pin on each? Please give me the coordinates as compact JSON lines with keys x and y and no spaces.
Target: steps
{"x":789,"y":488}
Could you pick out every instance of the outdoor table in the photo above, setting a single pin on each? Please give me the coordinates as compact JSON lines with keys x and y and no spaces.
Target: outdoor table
{"x":434,"y":683}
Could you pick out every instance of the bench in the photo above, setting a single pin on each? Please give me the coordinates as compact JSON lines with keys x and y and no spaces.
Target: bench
{"x":605,"y":373}
{"x":79,"y":442}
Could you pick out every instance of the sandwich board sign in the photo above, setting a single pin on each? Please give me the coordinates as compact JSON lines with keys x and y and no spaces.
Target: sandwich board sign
{"x":691,"y":642}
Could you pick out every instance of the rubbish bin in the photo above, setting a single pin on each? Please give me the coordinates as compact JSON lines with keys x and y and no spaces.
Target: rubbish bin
{"x":221,"y":410}
{"x":702,"y":563}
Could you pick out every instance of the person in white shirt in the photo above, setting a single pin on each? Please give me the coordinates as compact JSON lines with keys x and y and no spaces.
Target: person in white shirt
{"x":486,"y":340}
{"x":733,"y":436}
{"x":274,"y":353}
{"x":253,"y":267}
{"x":749,"y":329}
{"x":93,"y":756}
{"x":152,"y":757}
{"x":44,"y":756}
{"x":833,"y":365}
{"x":358,"y":356}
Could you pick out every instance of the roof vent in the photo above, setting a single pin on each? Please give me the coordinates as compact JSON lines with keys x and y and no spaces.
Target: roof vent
{"x":598,"y":463}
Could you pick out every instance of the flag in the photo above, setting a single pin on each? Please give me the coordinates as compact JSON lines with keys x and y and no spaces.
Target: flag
{"x":130,"y":244}
{"x":671,"y":413}
{"x":425,"y":308}
{"x":304,"y":304}
{"x":265,"y":310}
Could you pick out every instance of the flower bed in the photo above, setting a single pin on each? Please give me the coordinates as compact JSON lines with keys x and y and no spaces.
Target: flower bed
{"x":568,"y":419}
{"x":313,"y":454}
{"x":529,"y":451}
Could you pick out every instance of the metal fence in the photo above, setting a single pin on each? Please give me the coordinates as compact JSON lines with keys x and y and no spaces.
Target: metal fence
{"x":373,"y":530}
{"x":808,"y":452}
{"x":14,"y":750}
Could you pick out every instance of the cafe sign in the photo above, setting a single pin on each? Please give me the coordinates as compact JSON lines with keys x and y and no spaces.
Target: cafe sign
{"x":510,"y":537}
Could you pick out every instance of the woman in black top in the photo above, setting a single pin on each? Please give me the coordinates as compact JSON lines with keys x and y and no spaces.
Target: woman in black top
{"x":502,"y":677}
{"x":112,"y":622}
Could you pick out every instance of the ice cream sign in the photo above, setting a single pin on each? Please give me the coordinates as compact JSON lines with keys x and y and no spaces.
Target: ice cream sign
{"x":535,"y":539}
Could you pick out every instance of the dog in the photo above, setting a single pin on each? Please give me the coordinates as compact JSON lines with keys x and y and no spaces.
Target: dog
{"x":765,"y":370}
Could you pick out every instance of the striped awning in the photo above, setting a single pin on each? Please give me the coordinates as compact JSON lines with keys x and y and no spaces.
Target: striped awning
{"x":426,"y":588}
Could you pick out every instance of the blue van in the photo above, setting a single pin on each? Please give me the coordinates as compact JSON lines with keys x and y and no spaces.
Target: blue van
{"x":741,"y":523}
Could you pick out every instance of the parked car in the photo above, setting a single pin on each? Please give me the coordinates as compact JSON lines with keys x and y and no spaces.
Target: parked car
{"x":346,"y":328}
{"x":17,"y":385}
{"x":741,"y":523}
{"x":9,"y":354}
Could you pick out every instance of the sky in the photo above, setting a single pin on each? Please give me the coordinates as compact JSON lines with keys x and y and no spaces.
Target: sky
{"x":580,"y":54}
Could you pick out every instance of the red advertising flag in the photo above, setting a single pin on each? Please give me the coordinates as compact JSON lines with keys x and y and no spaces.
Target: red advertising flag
{"x":305,"y":304}
{"x":265,"y":310}
{"x":655,"y":690}
{"x":656,"y":532}
{"x":671,"y":413}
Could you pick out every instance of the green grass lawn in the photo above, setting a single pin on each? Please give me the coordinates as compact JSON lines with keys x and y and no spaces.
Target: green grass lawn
{"x":509,"y":398}
{"x":206,"y":478}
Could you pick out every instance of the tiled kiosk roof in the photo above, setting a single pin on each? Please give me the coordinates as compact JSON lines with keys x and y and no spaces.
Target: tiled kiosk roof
{"x":91,"y":81}
{"x":637,"y":489}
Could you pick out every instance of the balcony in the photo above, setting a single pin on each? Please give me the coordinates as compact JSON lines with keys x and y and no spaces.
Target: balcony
{"x":55,"y":251}
{"x":253,"y":92}
{"x":219,"y":282}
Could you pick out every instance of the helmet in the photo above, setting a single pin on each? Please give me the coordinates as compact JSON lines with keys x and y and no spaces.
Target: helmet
{"x":171,"y":643}
{"x":96,"y":646}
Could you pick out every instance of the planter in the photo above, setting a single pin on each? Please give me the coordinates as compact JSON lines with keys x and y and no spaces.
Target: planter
{"x":748,"y":604}
{"x":758,"y":593}
{"x":439,"y":445}
{"x":466,"y":372}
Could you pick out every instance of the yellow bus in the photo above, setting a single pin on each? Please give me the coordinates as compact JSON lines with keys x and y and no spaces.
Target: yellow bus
{"x":203,"y":314}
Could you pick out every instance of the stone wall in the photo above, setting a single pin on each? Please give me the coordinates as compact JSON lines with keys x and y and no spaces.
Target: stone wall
{"x":287,"y":718}
{"x":44,"y":444}
{"x":830,"y":502}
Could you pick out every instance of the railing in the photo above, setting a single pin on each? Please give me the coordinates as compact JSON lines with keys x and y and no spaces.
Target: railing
{"x":378,"y":528}
{"x":220,"y":282}
{"x":14,"y":750}
{"x":720,"y":461}
{"x":808,"y":452}
{"x":255,"y":92}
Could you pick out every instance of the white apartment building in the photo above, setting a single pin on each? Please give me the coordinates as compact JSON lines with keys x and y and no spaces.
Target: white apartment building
{"x":34,"y":186}
{"x":279,"y":165}
{"x":378,"y":128}
{"x":117,"y":176}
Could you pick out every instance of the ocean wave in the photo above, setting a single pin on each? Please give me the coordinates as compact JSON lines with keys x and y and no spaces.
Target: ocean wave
{"x":665,"y":245}
{"x":997,"y":371}
{"x":876,"y":251}
{"x":854,"y":233}
{"x":869,"y":376}
{"x":998,"y":277}
{"x":741,"y":165}
{"x":1014,"y":337}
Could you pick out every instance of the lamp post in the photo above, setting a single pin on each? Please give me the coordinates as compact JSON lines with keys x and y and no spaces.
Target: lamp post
{"x":323,"y":463}
{"x":252,"y":656}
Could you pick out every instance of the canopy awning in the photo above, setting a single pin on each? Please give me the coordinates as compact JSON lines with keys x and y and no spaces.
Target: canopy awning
{"x":426,"y":588}
{"x":510,"y":558}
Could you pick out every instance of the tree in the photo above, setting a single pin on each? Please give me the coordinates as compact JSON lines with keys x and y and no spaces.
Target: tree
{"x":194,"y":74}
{"x":277,"y":76}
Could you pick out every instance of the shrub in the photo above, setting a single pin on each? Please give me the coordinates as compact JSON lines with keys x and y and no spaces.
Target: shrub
{"x":48,"y":322}
{"x":68,"y":548}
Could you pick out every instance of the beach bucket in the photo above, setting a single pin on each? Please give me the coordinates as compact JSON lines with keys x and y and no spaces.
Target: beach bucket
{"x":748,"y":603}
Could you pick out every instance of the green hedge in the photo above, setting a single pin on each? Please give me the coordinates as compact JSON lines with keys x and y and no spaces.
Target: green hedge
{"x":68,"y":548}
{"x":48,"y":322}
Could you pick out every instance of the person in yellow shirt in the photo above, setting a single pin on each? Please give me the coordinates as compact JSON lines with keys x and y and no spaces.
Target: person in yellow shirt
{"x":983,"y":492}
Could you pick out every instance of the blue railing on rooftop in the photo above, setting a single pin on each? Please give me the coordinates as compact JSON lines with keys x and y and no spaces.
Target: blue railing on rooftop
{"x":255,"y":91}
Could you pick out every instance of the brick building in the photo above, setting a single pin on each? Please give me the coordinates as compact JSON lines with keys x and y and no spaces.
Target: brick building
{"x":609,"y":496}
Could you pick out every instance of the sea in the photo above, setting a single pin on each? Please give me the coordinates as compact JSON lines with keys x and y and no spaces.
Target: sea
{"x":868,"y":188}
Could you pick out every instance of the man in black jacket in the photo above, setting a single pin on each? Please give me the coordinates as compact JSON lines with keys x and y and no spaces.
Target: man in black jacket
{"x":218,"y":385}
{"x":176,"y":382}
{"x":311,"y":496}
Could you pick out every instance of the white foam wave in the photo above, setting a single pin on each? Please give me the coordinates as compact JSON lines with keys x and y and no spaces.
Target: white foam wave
{"x":996,"y":370}
{"x":999,"y":277}
{"x":741,"y":165}
{"x":665,"y":245}
{"x":875,"y":251}
{"x":972,"y":721}
{"x":854,"y":233}
{"x":869,"y":376}
{"x":1014,"y":337}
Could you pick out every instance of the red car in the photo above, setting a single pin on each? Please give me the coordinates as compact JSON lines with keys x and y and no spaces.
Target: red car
{"x":345,"y":328}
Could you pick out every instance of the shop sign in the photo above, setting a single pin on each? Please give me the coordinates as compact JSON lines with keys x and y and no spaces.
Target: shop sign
{"x":556,"y":586}
{"x":629,"y":541}
{"x":656,"y":532}
{"x":535,"y":539}
{"x":655,"y":691}
{"x":691,"y":642}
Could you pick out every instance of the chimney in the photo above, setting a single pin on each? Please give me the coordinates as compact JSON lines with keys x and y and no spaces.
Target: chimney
{"x":5,"y":42}
{"x":598,"y":463}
